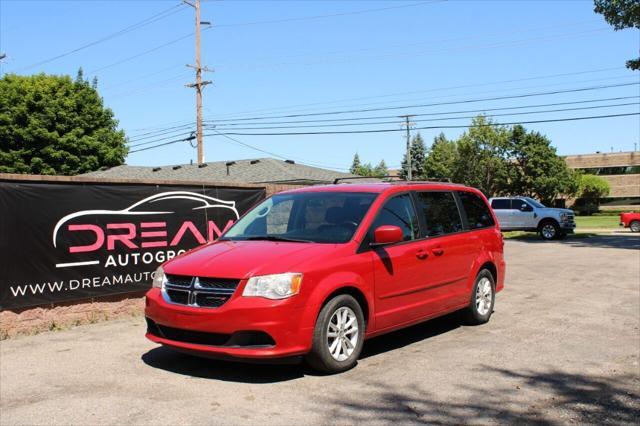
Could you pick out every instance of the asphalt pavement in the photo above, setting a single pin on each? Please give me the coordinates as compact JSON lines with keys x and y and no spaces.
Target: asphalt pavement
{"x":563,"y":346}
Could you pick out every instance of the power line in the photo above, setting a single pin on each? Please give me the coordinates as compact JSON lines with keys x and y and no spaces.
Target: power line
{"x":428,"y":127}
{"x":430,"y":90}
{"x":145,"y":52}
{"x":395,"y":53}
{"x":155,"y":139}
{"x":438,"y":119}
{"x":525,"y":95}
{"x":161,"y":139}
{"x":163,"y":131}
{"x":154,"y":18}
{"x":178,"y":128}
{"x":184,"y":124}
{"x":332,"y":15}
{"x":399,"y":129}
{"x":352,"y":119}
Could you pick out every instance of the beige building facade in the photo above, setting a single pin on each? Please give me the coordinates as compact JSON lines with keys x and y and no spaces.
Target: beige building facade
{"x":620,"y":169}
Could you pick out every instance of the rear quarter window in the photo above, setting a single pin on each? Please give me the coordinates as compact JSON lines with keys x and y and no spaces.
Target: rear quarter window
{"x":501,"y":204}
{"x":440,"y":213}
{"x":477,"y":211}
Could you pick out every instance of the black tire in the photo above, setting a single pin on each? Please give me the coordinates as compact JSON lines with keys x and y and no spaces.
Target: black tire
{"x":549,"y":229}
{"x":472,"y":314}
{"x":635,"y":226}
{"x":320,"y":357}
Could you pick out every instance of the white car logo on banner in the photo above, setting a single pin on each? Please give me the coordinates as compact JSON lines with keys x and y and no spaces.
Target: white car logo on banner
{"x":207,"y":203}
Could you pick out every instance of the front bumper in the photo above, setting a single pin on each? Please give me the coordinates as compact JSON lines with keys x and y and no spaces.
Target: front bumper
{"x":568,"y":227}
{"x":250,"y":328}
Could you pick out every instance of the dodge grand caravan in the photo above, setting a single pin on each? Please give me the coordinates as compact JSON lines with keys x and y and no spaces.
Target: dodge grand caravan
{"x":313,"y":272}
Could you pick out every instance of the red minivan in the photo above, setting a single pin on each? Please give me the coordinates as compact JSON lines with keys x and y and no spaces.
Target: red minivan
{"x":313,"y":272}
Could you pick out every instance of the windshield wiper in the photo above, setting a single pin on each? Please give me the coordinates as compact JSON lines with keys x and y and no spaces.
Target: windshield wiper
{"x":277,"y":238}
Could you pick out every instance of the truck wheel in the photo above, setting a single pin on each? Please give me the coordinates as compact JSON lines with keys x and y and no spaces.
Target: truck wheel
{"x":635,"y":226}
{"x":549,"y":229}
{"x":483,"y":298}
{"x":338,"y":336}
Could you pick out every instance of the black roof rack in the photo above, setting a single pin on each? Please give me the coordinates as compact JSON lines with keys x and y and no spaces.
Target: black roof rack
{"x":337,"y":180}
{"x":398,"y":179}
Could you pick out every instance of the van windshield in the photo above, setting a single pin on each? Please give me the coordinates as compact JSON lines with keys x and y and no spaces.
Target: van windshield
{"x":318,"y":217}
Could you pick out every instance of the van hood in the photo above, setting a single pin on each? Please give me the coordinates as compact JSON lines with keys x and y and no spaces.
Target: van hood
{"x":243,"y":259}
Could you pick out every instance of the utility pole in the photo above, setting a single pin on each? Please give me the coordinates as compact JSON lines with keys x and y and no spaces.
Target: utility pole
{"x":199,"y":84}
{"x":408,"y":125}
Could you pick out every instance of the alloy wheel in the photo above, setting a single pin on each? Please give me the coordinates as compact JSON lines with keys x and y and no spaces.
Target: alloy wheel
{"x":548,"y":231}
{"x":342,"y":333}
{"x":484,"y":296}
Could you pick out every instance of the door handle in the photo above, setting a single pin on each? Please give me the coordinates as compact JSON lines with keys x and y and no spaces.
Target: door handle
{"x":422,"y":254}
{"x":438,"y":251}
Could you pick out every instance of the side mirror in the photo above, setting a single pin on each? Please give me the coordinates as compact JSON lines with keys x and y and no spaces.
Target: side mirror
{"x":526,"y":208}
{"x":387,"y":234}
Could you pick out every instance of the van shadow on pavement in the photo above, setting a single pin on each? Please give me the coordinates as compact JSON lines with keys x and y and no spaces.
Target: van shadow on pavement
{"x":228,"y":371}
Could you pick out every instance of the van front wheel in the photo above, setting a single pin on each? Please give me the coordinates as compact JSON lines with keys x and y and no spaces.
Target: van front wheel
{"x":338,"y":335}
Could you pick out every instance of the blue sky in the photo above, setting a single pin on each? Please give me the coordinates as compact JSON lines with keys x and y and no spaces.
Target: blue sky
{"x":282,"y":58}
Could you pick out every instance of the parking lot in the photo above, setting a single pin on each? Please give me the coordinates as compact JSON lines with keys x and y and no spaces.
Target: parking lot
{"x":563,"y":346}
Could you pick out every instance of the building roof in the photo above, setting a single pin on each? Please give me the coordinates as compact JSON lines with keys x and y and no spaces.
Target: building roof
{"x":260,"y":170}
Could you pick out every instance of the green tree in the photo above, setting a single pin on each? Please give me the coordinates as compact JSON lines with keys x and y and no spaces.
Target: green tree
{"x":441,"y":159}
{"x":481,"y":159}
{"x":621,"y":14}
{"x":54,"y":125}
{"x":535,"y":168}
{"x":355,"y":165}
{"x":591,"y":189}
{"x":381,"y":169}
{"x":418,"y":153}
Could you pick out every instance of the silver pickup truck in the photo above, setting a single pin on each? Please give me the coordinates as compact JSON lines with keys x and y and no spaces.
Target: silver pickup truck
{"x":527,"y":214}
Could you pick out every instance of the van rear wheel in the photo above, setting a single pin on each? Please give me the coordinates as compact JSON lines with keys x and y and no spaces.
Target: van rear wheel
{"x":483,"y":299}
{"x":338,"y":336}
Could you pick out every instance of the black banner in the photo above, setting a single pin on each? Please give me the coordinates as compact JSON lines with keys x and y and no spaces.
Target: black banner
{"x":75,"y":241}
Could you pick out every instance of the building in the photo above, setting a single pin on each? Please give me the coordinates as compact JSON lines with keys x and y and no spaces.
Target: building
{"x":620,"y":169}
{"x":261,"y":170}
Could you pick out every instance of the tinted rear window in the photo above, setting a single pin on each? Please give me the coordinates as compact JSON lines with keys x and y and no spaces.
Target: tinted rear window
{"x":501,"y":204}
{"x":478,"y":214}
{"x":440,"y":212}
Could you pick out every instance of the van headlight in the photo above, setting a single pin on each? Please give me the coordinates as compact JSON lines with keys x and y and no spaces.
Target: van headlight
{"x":159,"y":278}
{"x":278,"y":286}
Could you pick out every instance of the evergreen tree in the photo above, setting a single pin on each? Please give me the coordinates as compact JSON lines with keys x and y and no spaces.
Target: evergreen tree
{"x":355,"y":165}
{"x":441,"y":159}
{"x":418,"y":153}
{"x":381,"y":169}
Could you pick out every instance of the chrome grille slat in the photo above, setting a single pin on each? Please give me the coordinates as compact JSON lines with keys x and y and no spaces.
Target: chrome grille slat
{"x":203,"y":292}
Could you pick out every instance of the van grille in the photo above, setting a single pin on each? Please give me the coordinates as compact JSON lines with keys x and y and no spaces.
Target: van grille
{"x":201,"y":292}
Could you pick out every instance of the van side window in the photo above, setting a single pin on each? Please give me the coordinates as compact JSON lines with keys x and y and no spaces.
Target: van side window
{"x":399,"y":211}
{"x":478,"y":214}
{"x":440,"y":212}
{"x":501,"y":204}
